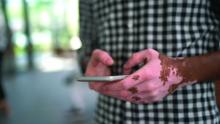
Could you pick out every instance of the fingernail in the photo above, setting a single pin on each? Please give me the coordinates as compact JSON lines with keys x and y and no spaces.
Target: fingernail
{"x":109,"y":61}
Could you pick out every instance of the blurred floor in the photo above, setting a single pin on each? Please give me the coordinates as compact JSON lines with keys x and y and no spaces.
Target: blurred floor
{"x":39,"y":97}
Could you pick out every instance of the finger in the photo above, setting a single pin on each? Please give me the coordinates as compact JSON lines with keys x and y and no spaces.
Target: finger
{"x":95,"y":86}
{"x":148,"y":87}
{"x":112,"y":87}
{"x":116,"y":94}
{"x":146,"y":73}
{"x":138,"y":58}
{"x":99,"y":86}
{"x":142,"y":56}
{"x":126,"y":83}
{"x":148,"y":100}
{"x":135,"y":59}
{"x":140,"y":76}
{"x":100,"y":56}
{"x":100,"y":70}
{"x":135,"y":98}
{"x":145,"y":98}
{"x":156,"y":96}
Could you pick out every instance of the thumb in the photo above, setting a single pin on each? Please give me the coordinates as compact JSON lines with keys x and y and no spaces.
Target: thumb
{"x":100,"y":56}
{"x":138,"y":58}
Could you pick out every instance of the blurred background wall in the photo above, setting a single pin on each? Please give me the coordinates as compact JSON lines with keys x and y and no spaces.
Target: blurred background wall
{"x":37,"y":28}
{"x":41,"y":63}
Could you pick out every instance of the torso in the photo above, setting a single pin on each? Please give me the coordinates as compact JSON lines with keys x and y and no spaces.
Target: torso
{"x":177,"y":28}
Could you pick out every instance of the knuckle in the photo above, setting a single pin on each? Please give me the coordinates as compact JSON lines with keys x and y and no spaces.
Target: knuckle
{"x":151,"y":53}
{"x":150,"y":87}
{"x":153,"y":94}
{"x":150,"y":50}
{"x":150,"y":74}
{"x":125,"y":85}
{"x":95,"y":52}
{"x":124,"y":94}
{"x":135,"y":56}
{"x":98,"y":52}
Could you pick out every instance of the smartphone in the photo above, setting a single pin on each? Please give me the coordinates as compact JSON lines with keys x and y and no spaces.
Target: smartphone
{"x":101,"y":78}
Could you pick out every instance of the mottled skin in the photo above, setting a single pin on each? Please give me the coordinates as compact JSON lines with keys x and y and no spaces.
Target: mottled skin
{"x":159,"y":77}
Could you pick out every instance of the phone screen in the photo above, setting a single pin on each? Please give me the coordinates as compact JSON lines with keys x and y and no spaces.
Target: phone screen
{"x":101,"y":78}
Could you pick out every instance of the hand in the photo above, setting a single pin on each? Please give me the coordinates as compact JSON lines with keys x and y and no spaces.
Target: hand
{"x":158,"y":78}
{"x":98,"y":65}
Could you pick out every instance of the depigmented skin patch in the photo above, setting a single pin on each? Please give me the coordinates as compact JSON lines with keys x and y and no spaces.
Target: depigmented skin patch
{"x":136,"y":77}
{"x":133,"y":90}
{"x":165,"y":69}
{"x":183,"y":68}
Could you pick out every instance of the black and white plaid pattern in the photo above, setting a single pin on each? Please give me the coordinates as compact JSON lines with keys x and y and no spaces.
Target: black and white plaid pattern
{"x":177,"y":28}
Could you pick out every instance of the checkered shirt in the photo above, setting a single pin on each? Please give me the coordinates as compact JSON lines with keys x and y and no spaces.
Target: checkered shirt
{"x":176,"y":28}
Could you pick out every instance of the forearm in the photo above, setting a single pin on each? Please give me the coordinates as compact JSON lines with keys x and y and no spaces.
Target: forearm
{"x":200,"y":68}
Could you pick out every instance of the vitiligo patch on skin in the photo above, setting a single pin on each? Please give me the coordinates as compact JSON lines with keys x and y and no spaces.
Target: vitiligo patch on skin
{"x":133,"y":90}
{"x":135,"y":77}
{"x":165,"y":69}
{"x":168,"y":74}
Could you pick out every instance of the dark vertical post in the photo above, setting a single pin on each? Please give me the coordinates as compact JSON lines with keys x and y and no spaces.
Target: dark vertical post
{"x":10,"y":45}
{"x":27,"y":31}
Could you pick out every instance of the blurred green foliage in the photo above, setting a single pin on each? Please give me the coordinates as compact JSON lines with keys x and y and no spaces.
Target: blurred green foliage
{"x":53,"y":24}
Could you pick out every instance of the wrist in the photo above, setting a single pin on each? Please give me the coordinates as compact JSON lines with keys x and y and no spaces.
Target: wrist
{"x":199,"y":68}
{"x":179,"y":77}
{"x":173,"y":71}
